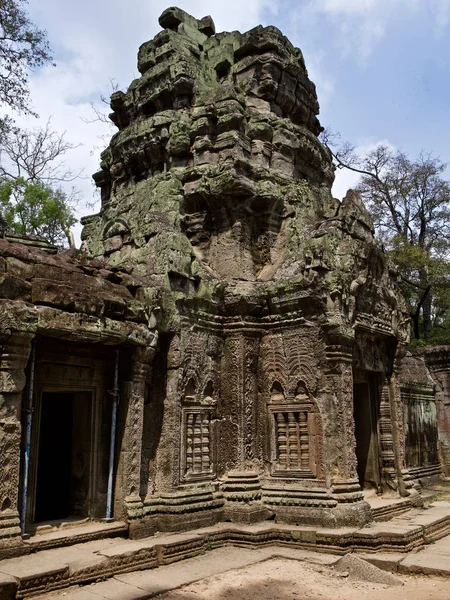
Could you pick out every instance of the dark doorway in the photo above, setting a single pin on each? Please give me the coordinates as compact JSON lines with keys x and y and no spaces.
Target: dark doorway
{"x":366,"y":412}
{"x":63,"y":456}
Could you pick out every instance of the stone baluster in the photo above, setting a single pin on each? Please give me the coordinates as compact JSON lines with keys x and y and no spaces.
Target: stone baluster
{"x":386,"y":439}
{"x":293,"y":453}
{"x":205,"y":443}
{"x":190,"y":443}
{"x":197,"y":444}
{"x":304,"y":440}
{"x":282,"y":441}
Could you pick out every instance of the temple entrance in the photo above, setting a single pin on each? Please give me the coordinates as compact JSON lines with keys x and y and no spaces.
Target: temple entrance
{"x":366,"y":414}
{"x":64,"y":456}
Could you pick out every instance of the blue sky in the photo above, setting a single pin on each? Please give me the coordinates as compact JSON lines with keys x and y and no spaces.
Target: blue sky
{"x":381,"y":67}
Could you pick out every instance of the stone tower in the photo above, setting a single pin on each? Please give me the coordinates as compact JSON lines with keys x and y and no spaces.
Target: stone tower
{"x":248,"y":321}
{"x":278,"y":314}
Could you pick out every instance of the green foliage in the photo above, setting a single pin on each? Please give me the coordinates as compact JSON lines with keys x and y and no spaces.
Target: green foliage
{"x":36,"y":209}
{"x":31,"y":200}
{"x":410,"y":204}
{"x":409,"y":201}
{"x":23,"y":47}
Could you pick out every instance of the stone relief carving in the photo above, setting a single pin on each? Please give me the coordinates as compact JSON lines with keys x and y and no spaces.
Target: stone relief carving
{"x":218,"y":236}
{"x":295,"y":431}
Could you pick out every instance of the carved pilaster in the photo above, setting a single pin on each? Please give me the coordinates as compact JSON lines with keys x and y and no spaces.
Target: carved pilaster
{"x":250,"y":399}
{"x":388,"y":469}
{"x":232,"y":390}
{"x":132,"y":452}
{"x":135,"y":420}
{"x":341,"y":444}
{"x":340,"y":383}
{"x":14,"y":354}
{"x":168,"y":455}
{"x":240,"y":396}
{"x":438,"y":362}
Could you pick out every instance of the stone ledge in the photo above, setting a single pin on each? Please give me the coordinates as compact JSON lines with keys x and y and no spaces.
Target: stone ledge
{"x":77,"y":535}
{"x":84,"y":563}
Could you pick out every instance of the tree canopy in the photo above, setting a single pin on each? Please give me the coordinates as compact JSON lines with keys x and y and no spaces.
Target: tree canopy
{"x":23,"y":47}
{"x":32,"y":163}
{"x":32,"y":169}
{"x":34,"y":208}
{"x":409,"y":201}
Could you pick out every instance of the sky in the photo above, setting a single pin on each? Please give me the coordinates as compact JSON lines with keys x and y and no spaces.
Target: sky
{"x":381,"y":67}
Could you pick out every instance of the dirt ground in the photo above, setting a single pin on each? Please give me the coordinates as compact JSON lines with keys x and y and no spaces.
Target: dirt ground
{"x":281,"y":579}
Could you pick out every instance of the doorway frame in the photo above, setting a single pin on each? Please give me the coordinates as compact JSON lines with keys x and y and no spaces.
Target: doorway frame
{"x":95,"y":425}
{"x":372,"y":380}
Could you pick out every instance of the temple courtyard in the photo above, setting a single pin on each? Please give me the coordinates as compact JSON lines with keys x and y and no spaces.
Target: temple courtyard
{"x":403,"y":555}
{"x":234,"y":573}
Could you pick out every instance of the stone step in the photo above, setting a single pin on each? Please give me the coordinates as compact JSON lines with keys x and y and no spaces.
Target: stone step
{"x":140,"y":585}
{"x":390,"y":509}
{"x":433,"y":559}
{"x":59,"y":568}
{"x":69,"y":536}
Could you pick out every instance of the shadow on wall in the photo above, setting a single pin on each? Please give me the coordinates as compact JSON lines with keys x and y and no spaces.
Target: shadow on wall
{"x":154,"y":416}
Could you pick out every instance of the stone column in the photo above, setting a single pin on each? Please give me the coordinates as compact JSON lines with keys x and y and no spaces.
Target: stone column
{"x":14,"y":353}
{"x":241,"y":451}
{"x":388,"y":420}
{"x":132,"y":449}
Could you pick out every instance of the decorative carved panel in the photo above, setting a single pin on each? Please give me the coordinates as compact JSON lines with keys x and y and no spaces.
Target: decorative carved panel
{"x":295,"y":438}
{"x":197,"y":445}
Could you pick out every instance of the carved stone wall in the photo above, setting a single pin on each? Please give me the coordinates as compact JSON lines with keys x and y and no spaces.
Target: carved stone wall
{"x":217,"y":190}
{"x":247,"y":298}
{"x":45,"y":296}
{"x":420,"y":423}
{"x":438,"y":361}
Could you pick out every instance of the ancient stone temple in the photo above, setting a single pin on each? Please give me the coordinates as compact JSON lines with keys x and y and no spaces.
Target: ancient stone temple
{"x":248,"y":323}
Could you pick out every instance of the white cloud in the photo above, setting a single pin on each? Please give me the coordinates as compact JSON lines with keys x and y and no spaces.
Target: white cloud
{"x":358,"y":26}
{"x":441,"y":9}
{"x":323,"y":80}
{"x":345,"y":180}
{"x":348,"y":6}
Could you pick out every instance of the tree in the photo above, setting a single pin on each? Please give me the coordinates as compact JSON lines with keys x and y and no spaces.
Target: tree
{"x":32,"y":163}
{"x":410,"y":205}
{"x":23,"y":47}
{"x":32,"y":169}
{"x":36,"y":155}
{"x":34,"y":208}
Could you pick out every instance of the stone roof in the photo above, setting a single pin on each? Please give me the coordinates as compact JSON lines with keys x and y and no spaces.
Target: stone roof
{"x":63,"y":296}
